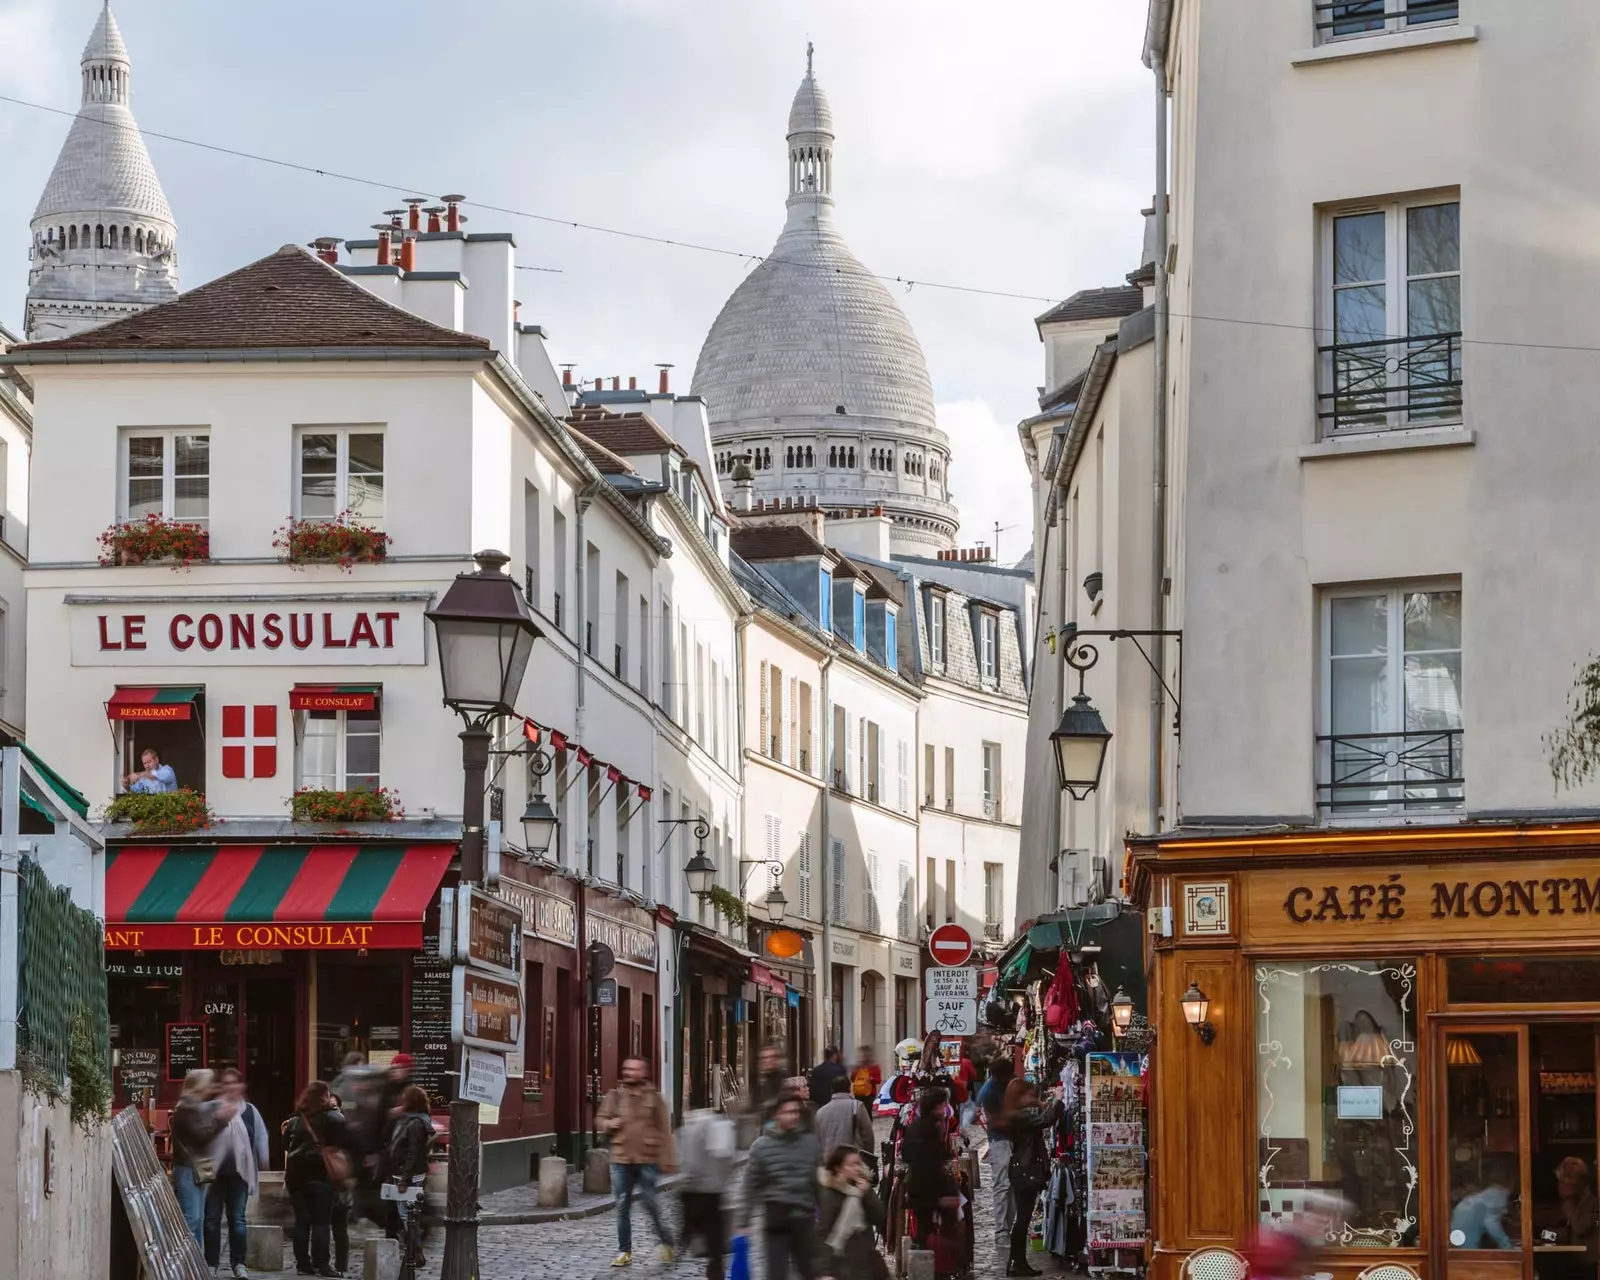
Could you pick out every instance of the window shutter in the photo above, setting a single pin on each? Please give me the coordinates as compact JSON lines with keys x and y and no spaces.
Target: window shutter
{"x":805,"y":875}
{"x":874,"y":915}
{"x":764,"y":743}
{"x":849,"y":753}
{"x":836,"y":882}
{"x":792,"y":718}
{"x":883,"y":769}
{"x":785,"y":715}
{"x":818,"y":766}
{"x":903,"y":922}
{"x":900,"y":761}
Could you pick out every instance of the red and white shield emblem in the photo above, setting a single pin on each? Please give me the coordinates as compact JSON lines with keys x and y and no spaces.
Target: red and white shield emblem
{"x":249,"y":742}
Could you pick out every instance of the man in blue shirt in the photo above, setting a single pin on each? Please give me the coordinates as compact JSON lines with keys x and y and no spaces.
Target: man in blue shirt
{"x":1477,"y":1222}
{"x":154,"y":778}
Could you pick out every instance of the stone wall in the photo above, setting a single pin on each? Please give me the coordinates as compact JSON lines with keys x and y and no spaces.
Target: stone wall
{"x":55,"y":1209}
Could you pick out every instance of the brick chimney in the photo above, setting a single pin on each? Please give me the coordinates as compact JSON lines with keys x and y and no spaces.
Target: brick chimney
{"x":408,"y":251}
{"x":327,"y":248}
{"x":665,"y":381}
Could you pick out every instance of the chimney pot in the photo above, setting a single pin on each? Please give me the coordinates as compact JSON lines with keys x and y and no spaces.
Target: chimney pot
{"x":408,"y":252}
{"x":633,"y":384}
{"x":453,"y":218}
{"x":616,"y":384}
{"x":414,"y":216}
{"x":433,"y":211}
{"x":665,"y":382}
{"x":566,"y":375}
{"x":382,"y":228}
{"x":599,"y":384}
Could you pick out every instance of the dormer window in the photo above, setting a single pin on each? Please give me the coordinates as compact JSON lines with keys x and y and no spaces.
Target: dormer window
{"x":988,"y":646}
{"x":825,"y":600}
{"x":936,"y":629}
{"x":890,"y":638}
{"x":860,"y":620}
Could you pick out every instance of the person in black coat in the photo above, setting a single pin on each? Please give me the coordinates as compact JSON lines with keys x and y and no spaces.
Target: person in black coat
{"x":315,"y":1131}
{"x":405,"y":1163}
{"x":1030,"y":1163}
{"x":850,"y":1218}
{"x":820,"y":1082}
{"x":925,"y":1152}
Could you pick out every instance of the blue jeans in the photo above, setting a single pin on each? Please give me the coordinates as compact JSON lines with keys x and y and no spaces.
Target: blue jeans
{"x":191,"y":1199}
{"x":624,"y":1178}
{"x":228,"y":1194}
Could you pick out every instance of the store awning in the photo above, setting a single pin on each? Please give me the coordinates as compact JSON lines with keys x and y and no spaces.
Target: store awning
{"x":270,"y":897}
{"x":65,"y":791}
{"x":334,"y":697}
{"x":153,"y":702}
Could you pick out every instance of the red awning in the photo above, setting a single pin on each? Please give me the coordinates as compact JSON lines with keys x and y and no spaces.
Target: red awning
{"x":276,"y":897}
{"x":334,"y":697}
{"x":152,"y":702}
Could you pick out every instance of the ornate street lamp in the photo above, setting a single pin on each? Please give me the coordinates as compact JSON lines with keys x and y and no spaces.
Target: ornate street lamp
{"x":1121,"y":1012}
{"x":1081,"y":739}
{"x":539,"y":821}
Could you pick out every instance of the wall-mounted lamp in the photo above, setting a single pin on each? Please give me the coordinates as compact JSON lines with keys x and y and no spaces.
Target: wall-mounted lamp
{"x":1195,"y":1008}
{"x":1121,"y":1013}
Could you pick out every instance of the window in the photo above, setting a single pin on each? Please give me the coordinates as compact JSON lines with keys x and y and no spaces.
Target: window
{"x":825,"y":600}
{"x":872,"y":759}
{"x":167,"y":474}
{"x":644,"y":646}
{"x":874,"y":907}
{"x":530,"y":544}
{"x":988,"y":640}
{"x":621,"y":795}
{"x":1392,"y":714}
{"x":1393,"y":308}
{"x":936,"y":649}
{"x":994,"y":901}
{"x":591,"y":600}
{"x":1342,"y":19}
{"x":927,"y":774}
{"x":558,"y":568}
{"x":903,"y":899}
{"x":836,"y":883}
{"x":772,"y":704}
{"x":341,"y":470}
{"x":668,"y":663}
{"x":1336,"y":1104}
{"x":890,"y":657}
{"x":806,"y":713}
{"x":991,"y":780}
{"x":950,"y":778}
{"x":339,"y":750}
{"x":619,"y":647}
{"x":859,"y":621}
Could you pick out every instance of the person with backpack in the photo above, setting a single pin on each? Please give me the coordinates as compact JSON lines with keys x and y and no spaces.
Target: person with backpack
{"x":707,"y":1144}
{"x":316,"y":1165}
{"x":1030,"y":1164}
{"x":238,"y":1154}
{"x":405,"y":1163}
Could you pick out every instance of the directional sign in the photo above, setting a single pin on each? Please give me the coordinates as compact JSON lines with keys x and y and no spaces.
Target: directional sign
{"x":950,"y":945}
{"x":953,"y":1017}
{"x":950,"y":984}
{"x":487,"y":933}
{"x":485,"y":1011}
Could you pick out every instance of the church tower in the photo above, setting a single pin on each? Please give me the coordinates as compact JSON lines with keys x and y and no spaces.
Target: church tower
{"x":104,"y":243}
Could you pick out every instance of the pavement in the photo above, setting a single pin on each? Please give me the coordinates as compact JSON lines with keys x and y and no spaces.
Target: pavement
{"x":581,"y":1245}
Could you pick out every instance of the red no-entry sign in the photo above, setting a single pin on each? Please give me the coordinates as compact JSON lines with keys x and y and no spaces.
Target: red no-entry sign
{"x":950,"y":945}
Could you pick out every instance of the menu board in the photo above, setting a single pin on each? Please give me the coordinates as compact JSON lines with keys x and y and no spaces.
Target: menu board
{"x":186,"y":1048}
{"x":139,"y":1070}
{"x":431,"y":1052}
{"x":1114,"y":1116}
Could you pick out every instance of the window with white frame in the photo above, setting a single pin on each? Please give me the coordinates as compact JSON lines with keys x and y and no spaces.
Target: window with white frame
{"x":994,"y":901}
{"x":1391,"y":702}
{"x":1348,"y":19}
{"x":167,"y":474}
{"x":1392,"y":309}
{"x":991,"y":780}
{"x":340,"y":469}
{"x":936,"y":621}
{"x":339,"y":750}
{"x":988,"y":645}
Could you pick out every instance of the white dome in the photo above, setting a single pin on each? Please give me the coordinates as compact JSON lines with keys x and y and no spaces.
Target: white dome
{"x":810,"y":112}
{"x":104,"y":168}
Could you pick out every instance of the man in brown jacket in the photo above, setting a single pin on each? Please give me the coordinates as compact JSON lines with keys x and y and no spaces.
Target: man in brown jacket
{"x":636,"y":1116}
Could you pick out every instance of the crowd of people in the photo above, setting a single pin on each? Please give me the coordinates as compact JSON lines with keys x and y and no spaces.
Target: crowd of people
{"x":346,"y":1139}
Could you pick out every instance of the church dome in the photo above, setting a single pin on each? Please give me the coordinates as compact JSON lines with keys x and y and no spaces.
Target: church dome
{"x":812,"y":363}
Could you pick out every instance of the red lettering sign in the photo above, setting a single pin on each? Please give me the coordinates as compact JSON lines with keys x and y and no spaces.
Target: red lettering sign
{"x":264,"y":936}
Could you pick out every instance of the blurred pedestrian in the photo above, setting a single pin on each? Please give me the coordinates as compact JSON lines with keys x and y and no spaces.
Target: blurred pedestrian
{"x":405,"y":1164}
{"x":316,"y":1140}
{"x":867,"y":1078}
{"x":844,"y":1122}
{"x":931,"y":1187}
{"x":769,"y":1079}
{"x":850,"y":1218}
{"x":195,"y":1123}
{"x":1026,"y":1121}
{"x":781,"y":1180}
{"x":819,"y":1085}
{"x":636,"y":1116}
{"x":707,"y":1144}
{"x":991,"y":1105}
{"x":238,"y":1154}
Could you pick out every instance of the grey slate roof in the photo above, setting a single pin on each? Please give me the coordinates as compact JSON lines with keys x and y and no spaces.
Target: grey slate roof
{"x":1097,"y":304}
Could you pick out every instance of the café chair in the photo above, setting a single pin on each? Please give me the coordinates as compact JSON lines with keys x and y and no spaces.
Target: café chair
{"x":1215,"y":1264}
{"x":1388,"y":1271}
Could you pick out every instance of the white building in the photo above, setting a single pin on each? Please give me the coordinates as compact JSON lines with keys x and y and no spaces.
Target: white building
{"x":104,"y":242}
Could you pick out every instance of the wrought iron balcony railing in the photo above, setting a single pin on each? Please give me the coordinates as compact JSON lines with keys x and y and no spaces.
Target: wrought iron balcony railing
{"x":1381,"y":773}
{"x":1340,"y":19}
{"x":1388,"y":383}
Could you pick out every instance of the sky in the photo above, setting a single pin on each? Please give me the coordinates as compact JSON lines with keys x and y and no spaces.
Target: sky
{"x":1009,"y":150}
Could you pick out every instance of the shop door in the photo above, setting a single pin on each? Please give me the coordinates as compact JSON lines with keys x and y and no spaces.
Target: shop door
{"x":1486,"y":1203}
{"x":271,"y":1020}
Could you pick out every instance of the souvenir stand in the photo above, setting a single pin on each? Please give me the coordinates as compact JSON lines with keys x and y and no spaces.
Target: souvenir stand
{"x":1054,"y":1007}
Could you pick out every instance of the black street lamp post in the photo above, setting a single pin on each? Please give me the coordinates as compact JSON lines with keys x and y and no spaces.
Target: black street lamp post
{"x":485,"y":636}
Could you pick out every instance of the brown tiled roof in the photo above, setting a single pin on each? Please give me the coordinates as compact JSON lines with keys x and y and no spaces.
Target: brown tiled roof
{"x":605,"y":462}
{"x":775,"y":542}
{"x":623,"y":433}
{"x":288,"y":299}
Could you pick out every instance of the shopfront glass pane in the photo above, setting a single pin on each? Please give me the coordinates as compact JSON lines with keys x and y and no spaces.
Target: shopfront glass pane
{"x":1336,"y":1096}
{"x":1526,"y":980}
{"x":360,"y":1001}
{"x":144,"y":993}
{"x":1483,"y":1135}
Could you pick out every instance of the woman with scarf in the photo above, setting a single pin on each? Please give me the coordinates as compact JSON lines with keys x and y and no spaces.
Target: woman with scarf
{"x":850,"y":1218}
{"x":195,"y":1124}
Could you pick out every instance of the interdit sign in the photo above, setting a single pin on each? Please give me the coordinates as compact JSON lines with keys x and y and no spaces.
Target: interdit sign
{"x":215,"y":631}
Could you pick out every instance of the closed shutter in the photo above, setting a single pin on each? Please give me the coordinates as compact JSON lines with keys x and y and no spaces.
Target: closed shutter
{"x":903,"y":920}
{"x":792,"y":719}
{"x":836,"y":882}
{"x":781,"y":728}
{"x":805,"y":875}
{"x":763,"y":743}
{"x":900,"y":765}
{"x":774,"y":852}
{"x":849,"y":753}
{"x":874,"y":915}
{"x":818,"y":766}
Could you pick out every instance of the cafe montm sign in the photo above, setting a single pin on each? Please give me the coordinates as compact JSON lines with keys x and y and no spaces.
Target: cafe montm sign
{"x":220,"y":631}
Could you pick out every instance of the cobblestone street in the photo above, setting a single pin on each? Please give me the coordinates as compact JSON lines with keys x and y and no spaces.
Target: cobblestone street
{"x":582,"y":1249}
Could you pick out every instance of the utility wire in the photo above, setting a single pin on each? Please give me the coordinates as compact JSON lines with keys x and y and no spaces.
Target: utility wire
{"x":721,"y":251}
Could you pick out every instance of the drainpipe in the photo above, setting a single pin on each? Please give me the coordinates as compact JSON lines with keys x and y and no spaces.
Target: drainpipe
{"x":825,"y":961}
{"x":1059,"y":823}
{"x":588,"y":1037}
{"x":1158,"y":522}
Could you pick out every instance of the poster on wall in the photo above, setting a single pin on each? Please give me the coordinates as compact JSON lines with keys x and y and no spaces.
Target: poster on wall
{"x":1114,"y":1118}
{"x":432,"y":1054}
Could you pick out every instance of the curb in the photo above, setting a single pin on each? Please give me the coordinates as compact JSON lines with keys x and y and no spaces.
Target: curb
{"x":573,"y":1213}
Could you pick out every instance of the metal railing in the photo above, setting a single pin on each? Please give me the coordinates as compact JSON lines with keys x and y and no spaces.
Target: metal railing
{"x":1388,"y":383}
{"x":1390,"y":772}
{"x":772,"y":746}
{"x":616,"y":661}
{"x":991,"y":931}
{"x":991,"y":808}
{"x":588,"y":637}
{"x":1340,"y":19}
{"x":555,"y":611}
{"x":805,"y":760}
{"x":528,"y":593}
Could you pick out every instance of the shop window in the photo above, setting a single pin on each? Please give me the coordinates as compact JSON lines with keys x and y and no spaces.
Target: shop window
{"x":340,"y":470}
{"x":1336,"y":1096}
{"x":144,"y":992}
{"x":339,"y":750}
{"x":359,"y":1005}
{"x":1523,"y":980}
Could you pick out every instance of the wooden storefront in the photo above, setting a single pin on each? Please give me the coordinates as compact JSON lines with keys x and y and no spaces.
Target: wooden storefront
{"x":1406,"y":1020}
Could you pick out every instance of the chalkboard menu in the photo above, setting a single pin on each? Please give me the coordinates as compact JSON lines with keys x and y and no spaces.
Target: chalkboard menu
{"x":431,"y":1053}
{"x":186,"y":1048}
{"x":139,"y":1070}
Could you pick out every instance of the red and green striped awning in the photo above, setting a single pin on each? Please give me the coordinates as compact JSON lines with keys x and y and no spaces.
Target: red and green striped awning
{"x":152,"y":702}
{"x":273,"y":897}
{"x":334,"y":697}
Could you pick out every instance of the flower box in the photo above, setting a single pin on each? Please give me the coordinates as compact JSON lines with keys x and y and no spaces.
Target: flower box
{"x":344,"y":541}
{"x":155,"y":539}
{"x":360,"y":804}
{"x":164,"y":813}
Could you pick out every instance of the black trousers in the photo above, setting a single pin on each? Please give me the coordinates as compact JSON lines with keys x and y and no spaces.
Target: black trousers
{"x":1019,"y":1229}
{"x":703,"y":1217}
{"x":313,"y":1221}
{"x":791,"y":1240}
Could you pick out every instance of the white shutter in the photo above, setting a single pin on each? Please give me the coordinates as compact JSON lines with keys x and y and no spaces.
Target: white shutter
{"x":883,"y":769}
{"x":903,"y":920}
{"x":780,"y":727}
{"x":763,"y":743}
{"x":805,"y":875}
{"x":791,"y":717}
{"x":849,"y":753}
{"x":819,"y":767}
{"x":900,"y":762}
{"x":836,"y":881}
{"x":874,"y":915}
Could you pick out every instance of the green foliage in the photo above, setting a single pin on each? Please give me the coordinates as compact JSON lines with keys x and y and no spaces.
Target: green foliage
{"x":1573,"y":751}
{"x":165,"y":813}
{"x":726,"y":903}
{"x":360,"y":804}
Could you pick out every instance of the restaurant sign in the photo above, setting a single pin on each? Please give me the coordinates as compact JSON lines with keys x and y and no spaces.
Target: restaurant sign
{"x":1452,"y":900}
{"x":544,"y":915}
{"x":330,"y":936}
{"x":223,"y":631}
{"x":633,"y":945}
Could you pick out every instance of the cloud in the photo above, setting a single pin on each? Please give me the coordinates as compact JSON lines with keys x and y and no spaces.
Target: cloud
{"x":988,"y":477}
